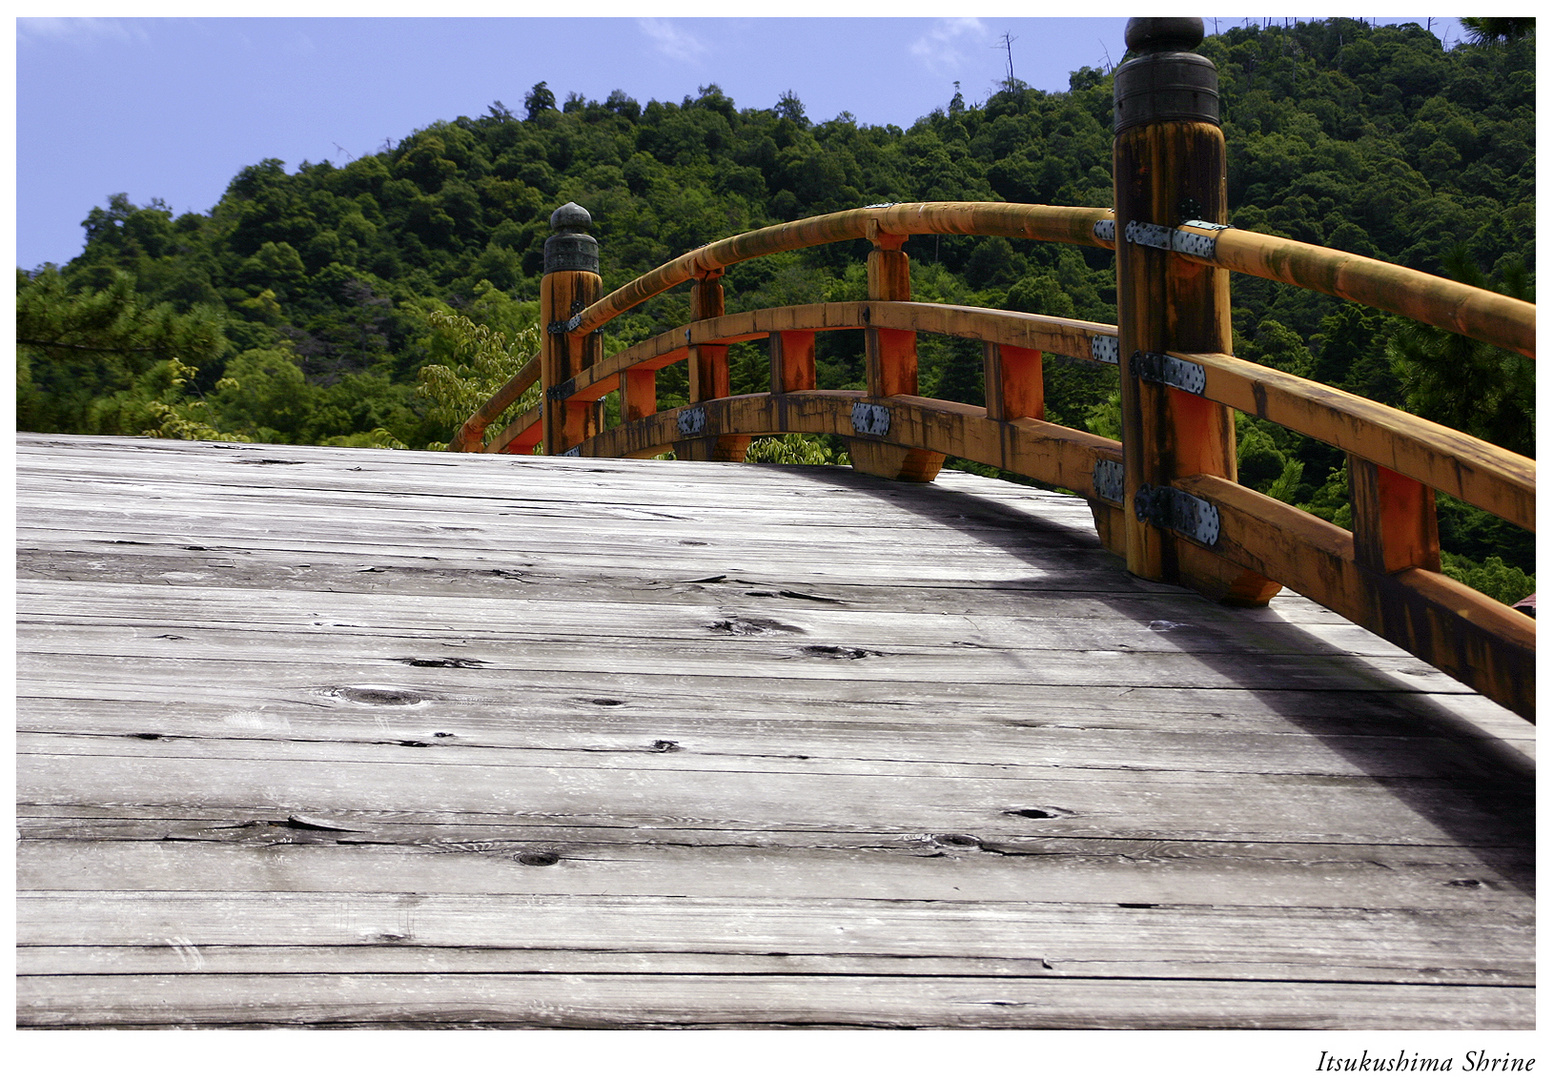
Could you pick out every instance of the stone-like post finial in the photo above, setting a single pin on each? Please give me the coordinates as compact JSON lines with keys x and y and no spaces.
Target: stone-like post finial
{"x":570,"y":247}
{"x":1164,"y":80}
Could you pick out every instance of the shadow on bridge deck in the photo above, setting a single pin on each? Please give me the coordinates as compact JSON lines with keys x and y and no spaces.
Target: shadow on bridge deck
{"x":337,"y":737}
{"x":1464,"y":777}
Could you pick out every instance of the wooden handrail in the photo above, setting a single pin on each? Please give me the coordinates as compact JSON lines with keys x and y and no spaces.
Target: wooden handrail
{"x":470,"y":434}
{"x":1499,"y":320}
{"x":1067,"y":224}
{"x":1477,"y":472}
{"x":1180,"y":386}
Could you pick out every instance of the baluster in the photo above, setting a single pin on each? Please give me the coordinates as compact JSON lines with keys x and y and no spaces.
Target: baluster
{"x":792,"y":361}
{"x":1394,"y":522}
{"x":638,"y":394}
{"x":709,"y":375}
{"x":1169,"y":167}
{"x":1014,"y":380}
{"x":892,"y":367}
{"x":571,"y":282}
{"x":892,"y":354}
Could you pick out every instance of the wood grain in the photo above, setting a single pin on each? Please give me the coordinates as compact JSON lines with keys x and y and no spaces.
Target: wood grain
{"x":346,"y":737}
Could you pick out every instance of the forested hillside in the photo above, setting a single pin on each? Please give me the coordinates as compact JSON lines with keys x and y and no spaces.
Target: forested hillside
{"x":304,"y":306}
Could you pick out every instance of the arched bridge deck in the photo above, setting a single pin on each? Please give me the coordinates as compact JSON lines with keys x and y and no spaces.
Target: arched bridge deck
{"x":323,"y":736}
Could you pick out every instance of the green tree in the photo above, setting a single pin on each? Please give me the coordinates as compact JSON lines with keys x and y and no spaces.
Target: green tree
{"x":1466,"y":384}
{"x":73,"y":347}
{"x":477,"y":362}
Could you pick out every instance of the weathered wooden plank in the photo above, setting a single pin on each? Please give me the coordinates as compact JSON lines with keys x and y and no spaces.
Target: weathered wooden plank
{"x":765,"y":1001}
{"x":1074,"y":940}
{"x":322,"y":779}
{"x":216,"y":609}
{"x":122,"y":960}
{"x":374,"y":857}
{"x":735,"y":653}
{"x":1227,"y":734}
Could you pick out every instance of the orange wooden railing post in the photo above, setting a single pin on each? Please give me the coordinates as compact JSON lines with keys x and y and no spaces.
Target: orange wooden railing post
{"x":1169,"y":169}
{"x":709,"y":377}
{"x":792,"y":361}
{"x":892,"y":368}
{"x":571,"y":283}
{"x":1394,"y":522}
{"x":1015,"y":382}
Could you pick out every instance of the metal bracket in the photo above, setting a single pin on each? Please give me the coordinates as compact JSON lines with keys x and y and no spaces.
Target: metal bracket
{"x":559,"y":327}
{"x":1170,"y":370}
{"x":1166,"y":507}
{"x":1106,"y":230}
{"x":692,"y":421}
{"x":1108,"y":481}
{"x":1185,"y":243}
{"x":1105,"y":348}
{"x":562,"y":391}
{"x":575,"y":451}
{"x":1141,"y":232}
{"x":870,"y":419}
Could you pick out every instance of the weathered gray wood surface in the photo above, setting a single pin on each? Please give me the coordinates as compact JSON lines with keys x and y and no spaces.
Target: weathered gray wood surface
{"x":344,"y":737}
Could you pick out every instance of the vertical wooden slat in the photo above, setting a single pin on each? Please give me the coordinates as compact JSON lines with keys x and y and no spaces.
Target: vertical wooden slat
{"x":709,"y":377}
{"x":1394,"y":522}
{"x":792,"y":361}
{"x":892,"y":354}
{"x":892,"y":366}
{"x":1014,"y":382}
{"x":638,"y":394}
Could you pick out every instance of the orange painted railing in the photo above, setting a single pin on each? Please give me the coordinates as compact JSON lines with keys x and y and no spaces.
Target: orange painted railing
{"x":1165,"y":496}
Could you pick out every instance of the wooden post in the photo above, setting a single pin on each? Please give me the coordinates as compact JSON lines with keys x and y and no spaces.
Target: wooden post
{"x":1014,"y":381}
{"x":1169,"y":167}
{"x":892,"y":366}
{"x":571,"y":283}
{"x":709,"y":375}
{"x":892,"y":354}
{"x":792,"y":361}
{"x":1394,"y":522}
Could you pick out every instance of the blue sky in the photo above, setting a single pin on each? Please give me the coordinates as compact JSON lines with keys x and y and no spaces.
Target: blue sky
{"x":173,"y":108}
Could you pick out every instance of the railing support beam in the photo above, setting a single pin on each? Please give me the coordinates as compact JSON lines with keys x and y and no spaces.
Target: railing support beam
{"x":1169,"y":167}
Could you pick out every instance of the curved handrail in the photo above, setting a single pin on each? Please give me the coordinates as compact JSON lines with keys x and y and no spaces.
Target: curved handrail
{"x":472,"y":431}
{"x":1068,"y":224}
{"x":1476,"y":313}
{"x":1472,"y":637}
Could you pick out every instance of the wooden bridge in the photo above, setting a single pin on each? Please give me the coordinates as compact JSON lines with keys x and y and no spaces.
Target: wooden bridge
{"x":342,"y":737}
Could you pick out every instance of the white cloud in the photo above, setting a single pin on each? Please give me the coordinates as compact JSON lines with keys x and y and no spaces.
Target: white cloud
{"x":37,"y":31}
{"x":940,"y":48}
{"x":671,"y":41}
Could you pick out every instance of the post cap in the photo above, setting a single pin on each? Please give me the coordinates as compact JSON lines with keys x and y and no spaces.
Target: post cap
{"x":571,"y":248}
{"x":1164,"y":80}
{"x":570,"y":218}
{"x":1164,"y":35}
